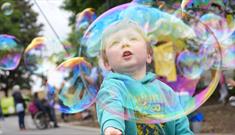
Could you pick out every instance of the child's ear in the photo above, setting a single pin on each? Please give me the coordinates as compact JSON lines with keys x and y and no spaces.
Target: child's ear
{"x":103,"y":62}
{"x":149,"y":58}
{"x":107,"y":66}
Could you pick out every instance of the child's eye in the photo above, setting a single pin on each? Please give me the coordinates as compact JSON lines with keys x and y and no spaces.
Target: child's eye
{"x":114,"y":43}
{"x":133,"y":39}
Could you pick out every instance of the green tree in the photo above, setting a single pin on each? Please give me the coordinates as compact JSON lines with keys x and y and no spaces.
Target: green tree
{"x":22,"y":24}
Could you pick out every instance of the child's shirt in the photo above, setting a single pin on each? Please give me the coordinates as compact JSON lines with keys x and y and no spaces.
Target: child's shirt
{"x":115,"y":103}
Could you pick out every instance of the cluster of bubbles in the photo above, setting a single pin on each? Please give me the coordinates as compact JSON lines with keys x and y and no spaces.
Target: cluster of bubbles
{"x":220,"y":21}
{"x":66,"y":82}
{"x":189,"y":46}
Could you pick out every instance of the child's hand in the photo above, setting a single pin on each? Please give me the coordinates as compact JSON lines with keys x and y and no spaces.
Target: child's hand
{"x":112,"y":131}
{"x":230,"y":81}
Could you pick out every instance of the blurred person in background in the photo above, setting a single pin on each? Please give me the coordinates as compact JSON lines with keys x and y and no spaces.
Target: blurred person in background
{"x":46,"y":107}
{"x":1,"y":113}
{"x":20,"y":106}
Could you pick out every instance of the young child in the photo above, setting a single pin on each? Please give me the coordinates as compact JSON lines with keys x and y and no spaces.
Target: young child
{"x":126,"y":52}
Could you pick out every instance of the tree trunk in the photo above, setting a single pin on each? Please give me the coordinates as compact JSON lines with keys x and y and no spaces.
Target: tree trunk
{"x":5,"y":91}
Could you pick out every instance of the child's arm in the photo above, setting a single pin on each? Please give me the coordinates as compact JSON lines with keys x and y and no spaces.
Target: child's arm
{"x":108,"y":102}
{"x":182,"y":126}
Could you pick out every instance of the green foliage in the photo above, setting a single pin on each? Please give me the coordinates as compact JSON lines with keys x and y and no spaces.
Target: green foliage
{"x":22,"y":24}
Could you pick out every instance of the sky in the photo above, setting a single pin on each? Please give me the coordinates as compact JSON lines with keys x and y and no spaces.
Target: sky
{"x":57,"y":17}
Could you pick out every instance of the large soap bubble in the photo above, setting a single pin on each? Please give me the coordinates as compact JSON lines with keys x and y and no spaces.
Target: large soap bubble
{"x":40,"y":53}
{"x":184,"y":56}
{"x":224,"y":32}
{"x":68,"y":85}
{"x":10,"y":52}
{"x":35,"y":53}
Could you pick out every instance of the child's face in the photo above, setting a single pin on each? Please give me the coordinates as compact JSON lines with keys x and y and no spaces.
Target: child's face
{"x":126,"y":51}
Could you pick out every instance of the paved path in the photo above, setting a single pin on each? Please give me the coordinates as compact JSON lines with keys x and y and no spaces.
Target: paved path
{"x":10,"y":127}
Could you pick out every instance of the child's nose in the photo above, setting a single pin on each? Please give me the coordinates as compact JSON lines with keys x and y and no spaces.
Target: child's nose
{"x":125,"y":43}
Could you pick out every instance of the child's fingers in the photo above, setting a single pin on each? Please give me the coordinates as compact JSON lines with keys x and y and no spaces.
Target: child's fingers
{"x":112,"y":131}
{"x":117,"y":132}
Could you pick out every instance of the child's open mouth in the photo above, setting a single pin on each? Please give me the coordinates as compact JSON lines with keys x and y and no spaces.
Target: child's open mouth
{"x":127,"y":55}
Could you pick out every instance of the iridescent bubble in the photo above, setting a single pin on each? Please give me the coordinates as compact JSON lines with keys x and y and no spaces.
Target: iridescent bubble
{"x":219,"y":26}
{"x":181,"y":47}
{"x":7,"y":8}
{"x":10,"y":52}
{"x":35,"y":53}
{"x":189,"y":64}
{"x":40,"y":53}
{"x":185,"y":3}
{"x":69,"y":86}
{"x":201,"y":4}
{"x":85,"y":18}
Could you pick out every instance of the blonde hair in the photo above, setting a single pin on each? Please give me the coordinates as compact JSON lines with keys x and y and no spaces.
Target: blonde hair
{"x":117,"y":26}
